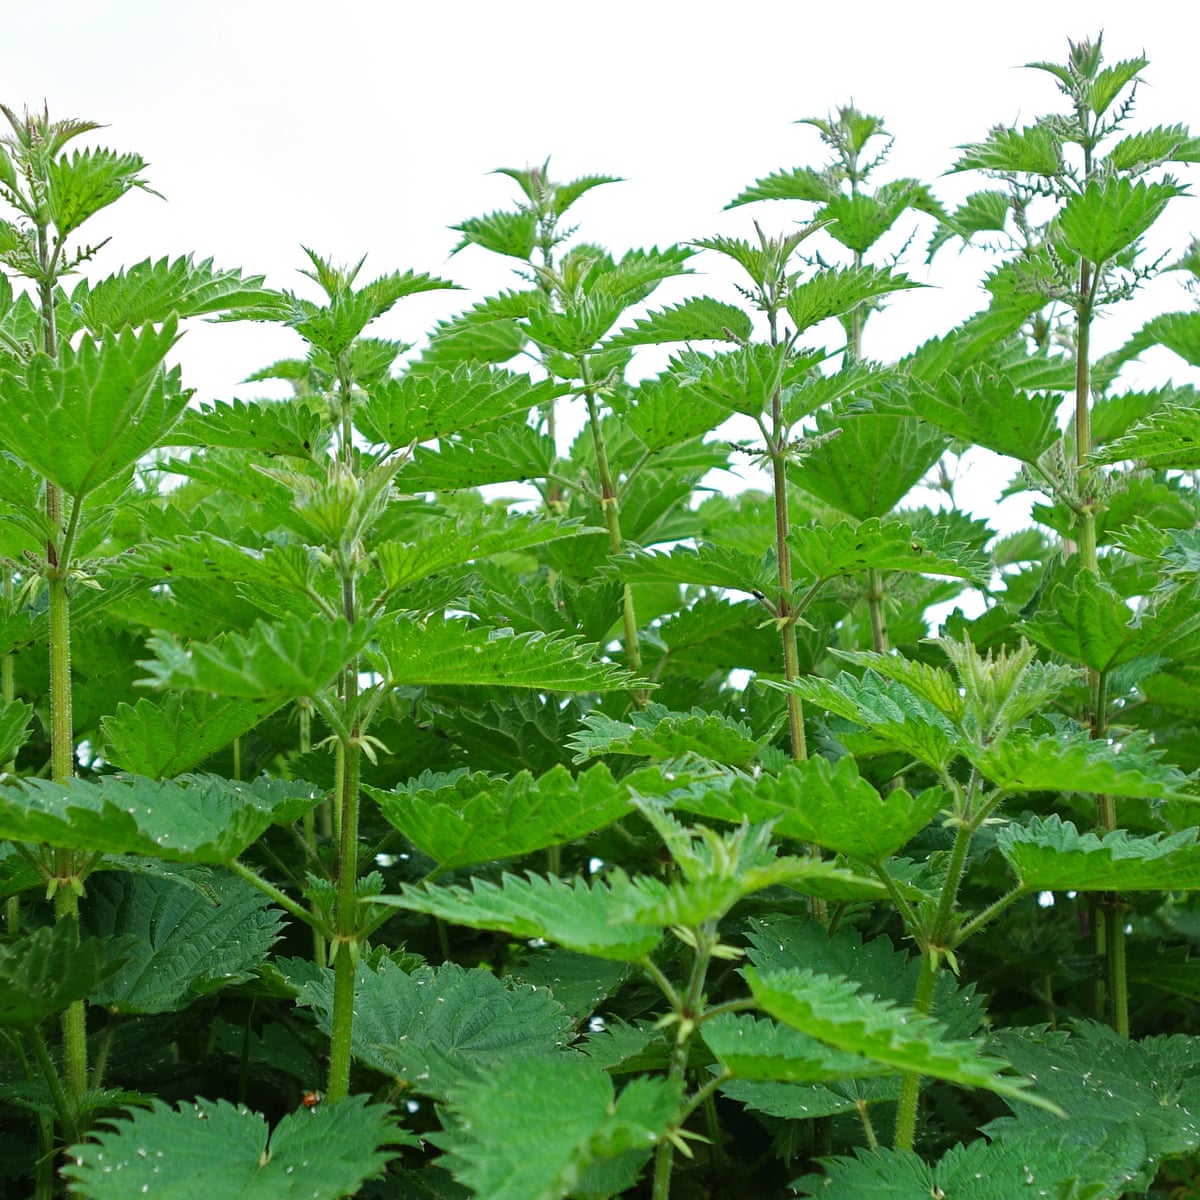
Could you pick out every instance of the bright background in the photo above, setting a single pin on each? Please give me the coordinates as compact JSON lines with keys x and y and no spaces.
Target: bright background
{"x":372,"y":127}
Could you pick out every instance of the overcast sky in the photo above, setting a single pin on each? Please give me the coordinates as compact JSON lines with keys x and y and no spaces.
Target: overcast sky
{"x":371,"y":127}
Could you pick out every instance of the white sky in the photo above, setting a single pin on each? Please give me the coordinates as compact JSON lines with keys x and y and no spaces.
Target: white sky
{"x":371,"y":127}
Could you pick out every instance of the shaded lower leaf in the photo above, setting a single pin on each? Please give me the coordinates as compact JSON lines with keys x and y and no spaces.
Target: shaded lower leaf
{"x":14,"y":728}
{"x":208,"y":1149}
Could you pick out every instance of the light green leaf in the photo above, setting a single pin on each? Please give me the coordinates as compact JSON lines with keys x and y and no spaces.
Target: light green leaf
{"x":164,"y":737}
{"x":187,"y":942}
{"x":475,"y":819}
{"x":1052,"y":855}
{"x":575,"y":915}
{"x":435,"y":1029}
{"x":1109,"y":216}
{"x":1087,"y":622}
{"x":1168,"y":438}
{"x":707,"y":565}
{"x":205,"y":1149}
{"x":742,"y":380}
{"x":421,"y":407}
{"x":1033,"y":150}
{"x":510,"y":233}
{"x":835,"y":1012}
{"x":545,"y":1127}
{"x":292,"y":428}
{"x":577,"y":328}
{"x":513,"y":452}
{"x":800,"y":183}
{"x":14,"y":727}
{"x":834,"y":293}
{"x":197,"y":819}
{"x":79,"y":185}
{"x":85,"y":418}
{"x":278,"y":661}
{"x":1152,"y":147}
{"x":455,"y":654}
{"x":657,"y":733}
{"x":666,"y":412}
{"x":697,"y":319}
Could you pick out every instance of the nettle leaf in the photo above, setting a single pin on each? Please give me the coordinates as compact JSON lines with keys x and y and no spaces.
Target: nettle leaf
{"x":1032,"y":150}
{"x":421,"y":407}
{"x":575,"y":915}
{"x":577,"y":328}
{"x":164,"y":737}
{"x":85,"y":418}
{"x":292,"y":428}
{"x":502,"y":232}
{"x":833,"y":293}
{"x":1052,"y":855}
{"x":1020,"y":762}
{"x":849,"y":548}
{"x":79,"y":185}
{"x":14,"y":727}
{"x":47,"y":970}
{"x":657,"y":733}
{"x":488,"y":332}
{"x":697,"y":319}
{"x":578,"y":982}
{"x":1086,"y":621}
{"x":149,"y":290}
{"x":475,"y":819}
{"x":402,"y":563}
{"x":754,"y":1048}
{"x":197,"y":818}
{"x":1168,"y":438}
{"x":545,"y":1127}
{"x":279,"y":661}
{"x":898,"y":718}
{"x":1178,"y":331}
{"x":1108,"y":216}
{"x":514,"y":452}
{"x":666,"y":412}
{"x":452,"y":653}
{"x":204,"y":1148}
{"x":803,"y":1102}
{"x":187,"y":942}
{"x":980,"y":212}
{"x":860,"y":220}
{"x":871,"y":464}
{"x":707,"y":565}
{"x":989,"y":408}
{"x":742,"y":380}
{"x":800,"y":183}
{"x":826,"y":804}
{"x":834,"y":1011}
{"x":435,"y":1029}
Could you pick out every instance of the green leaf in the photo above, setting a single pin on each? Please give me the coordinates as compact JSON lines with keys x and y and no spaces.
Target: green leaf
{"x":707,"y":566}
{"x":657,"y":733}
{"x":860,"y":220}
{"x":197,"y":819}
{"x":1033,"y":150}
{"x":280,"y":661}
{"x":1109,"y":216}
{"x":743,"y":380}
{"x":665,"y":412}
{"x":834,"y":293}
{"x":164,"y":737}
{"x":85,"y":418}
{"x":292,"y":428}
{"x":800,"y":183}
{"x":150,"y":291}
{"x":575,"y":915}
{"x":697,"y":319}
{"x":474,"y":819}
{"x":1152,"y":147}
{"x":545,"y":1127}
{"x":435,"y":1029}
{"x":203,"y":1149}
{"x":513,"y":452}
{"x":1179,"y":332}
{"x":753,"y":1048}
{"x":510,"y":233}
{"x":14,"y":728}
{"x":47,"y":970}
{"x":829,"y":805}
{"x":1087,"y":622}
{"x":452,"y":653}
{"x":849,"y":548}
{"x":79,"y":185}
{"x":1076,"y":763}
{"x":1052,"y":855}
{"x":421,"y":407}
{"x":577,"y":328}
{"x":1168,"y":438}
{"x":835,"y":1012}
{"x":187,"y":943}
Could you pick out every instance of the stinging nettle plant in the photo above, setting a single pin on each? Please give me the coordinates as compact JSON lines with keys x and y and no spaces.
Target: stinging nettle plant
{"x":373,"y":830}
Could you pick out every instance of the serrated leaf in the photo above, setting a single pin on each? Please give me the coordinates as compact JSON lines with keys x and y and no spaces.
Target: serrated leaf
{"x":1021,"y":762}
{"x":421,"y":407}
{"x":1087,"y":622}
{"x":206,"y":1149}
{"x":197,"y":819}
{"x":150,"y":290}
{"x":665,"y":412}
{"x":548,"y":1126}
{"x":1052,"y":855}
{"x":1032,"y":150}
{"x":14,"y":727}
{"x":577,"y":328}
{"x":452,"y":653}
{"x":1153,"y":147}
{"x":835,"y":1012}
{"x":834,"y":293}
{"x":435,"y":1029}
{"x":47,"y":970}
{"x":1110,"y":215}
{"x":502,"y":232}
{"x":657,"y":733}
{"x":697,"y":319}
{"x":1168,"y":438}
{"x":80,"y":184}
{"x":279,"y":661}
{"x":85,"y":418}
{"x":292,"y":428}
{"x":512,"y":453}
{"x":743,"y":380}
{"x":578,"y":982}
{"x":707,"y":565}
{"x":474,"y":821}
{"x":800,"y":183}
{"x":164,"y":737}
{"x":575,"y":915}
{"x":187,"y":943}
